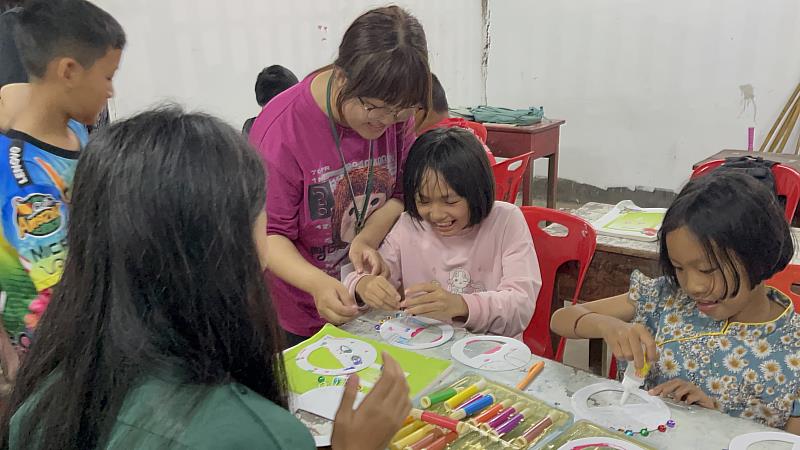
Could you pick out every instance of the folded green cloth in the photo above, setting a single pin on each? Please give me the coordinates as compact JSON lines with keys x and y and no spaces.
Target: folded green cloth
{"x":495,"y":114}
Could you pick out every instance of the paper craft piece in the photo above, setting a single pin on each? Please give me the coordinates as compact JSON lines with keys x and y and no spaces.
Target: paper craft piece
{"x":416,"y":333}
{"x":649,"y":414}
{"x":744,"y":441}
{"x":498,"y":353}
{"x":323,"y":403}
{"x":421,"y":371}
{"x":351,"y":355}
{"x":630,"y":221}
{"x":599,"y":442}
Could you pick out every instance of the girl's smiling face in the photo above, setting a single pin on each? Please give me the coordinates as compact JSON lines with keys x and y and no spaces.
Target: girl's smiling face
{"x":440,"y":206}
{"x":704,"y":281}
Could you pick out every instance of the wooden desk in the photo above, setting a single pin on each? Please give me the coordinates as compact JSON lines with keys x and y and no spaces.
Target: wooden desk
{"x":508,"y":141}
{"x":610,"y":271}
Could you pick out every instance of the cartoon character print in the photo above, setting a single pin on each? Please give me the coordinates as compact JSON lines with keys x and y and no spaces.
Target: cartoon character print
{"x":343,"y":221}
{"x":460,"y":282}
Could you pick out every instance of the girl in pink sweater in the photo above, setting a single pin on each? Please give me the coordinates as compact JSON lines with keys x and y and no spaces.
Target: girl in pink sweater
{"x":456,"y":254}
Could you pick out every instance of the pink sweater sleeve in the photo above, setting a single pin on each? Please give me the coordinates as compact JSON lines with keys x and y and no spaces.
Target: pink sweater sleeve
{"x":507,"y":310}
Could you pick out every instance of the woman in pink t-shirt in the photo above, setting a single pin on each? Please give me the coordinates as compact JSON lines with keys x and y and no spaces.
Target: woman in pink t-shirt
{"x":334,"y":146}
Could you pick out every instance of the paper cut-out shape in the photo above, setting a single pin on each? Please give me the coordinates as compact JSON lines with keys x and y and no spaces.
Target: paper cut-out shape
{"x":744,"y":441}
{"x":599,"y":442}
{"x":322,"y":402}
{"x":649,"y":413}
{"x":415,"y":333}
{"x":351,"y":354}
{"x":503,"y":353}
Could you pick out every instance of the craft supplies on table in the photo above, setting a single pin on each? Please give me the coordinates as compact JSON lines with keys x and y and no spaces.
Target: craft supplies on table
{"x":645,"y":417}
{"x":588,"y":436}
{"x":490,"y":416}
{"x":317,"y":370}
{"x":626,"y":220}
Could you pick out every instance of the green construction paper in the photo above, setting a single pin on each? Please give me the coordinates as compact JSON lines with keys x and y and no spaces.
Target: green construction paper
{"x":636,"y":221}
{"x":421,"y":371}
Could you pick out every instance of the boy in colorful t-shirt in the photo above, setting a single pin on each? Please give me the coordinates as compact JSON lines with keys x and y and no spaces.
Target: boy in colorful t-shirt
{"x":71,"y":50}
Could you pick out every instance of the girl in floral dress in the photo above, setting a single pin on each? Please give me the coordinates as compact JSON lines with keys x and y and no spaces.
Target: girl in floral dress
{"x":718,"y":335}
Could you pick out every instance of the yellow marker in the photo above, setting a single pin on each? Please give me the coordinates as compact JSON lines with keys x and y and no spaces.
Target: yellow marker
{"x":411,"y":438}
{"x":459,"y":398}
{"x":408,"y":429}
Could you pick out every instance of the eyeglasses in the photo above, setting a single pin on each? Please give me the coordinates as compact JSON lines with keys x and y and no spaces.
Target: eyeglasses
{"x":381,"y":112}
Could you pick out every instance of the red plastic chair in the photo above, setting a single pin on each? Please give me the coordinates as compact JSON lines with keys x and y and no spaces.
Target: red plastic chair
{"x":553,"y":251}
{"x":787,"y":183}
{"x":784,"y":280}
{"x":508,"y":175}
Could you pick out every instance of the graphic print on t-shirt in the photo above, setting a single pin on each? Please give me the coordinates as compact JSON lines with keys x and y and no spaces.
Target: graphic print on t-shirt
{"x":330,"y":201}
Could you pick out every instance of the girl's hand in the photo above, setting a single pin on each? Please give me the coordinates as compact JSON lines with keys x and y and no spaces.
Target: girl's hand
{"x":378,"y":417}
{"x":684,"y":391}
{"x":378,"y":293}
{"x":333,"y":300}
{"x":431,"y":300}
{"x":366,"y":259}
{"x":629,"y":341}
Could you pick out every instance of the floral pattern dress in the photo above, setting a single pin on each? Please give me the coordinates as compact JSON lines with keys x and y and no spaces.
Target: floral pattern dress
{"x":751,"y":369}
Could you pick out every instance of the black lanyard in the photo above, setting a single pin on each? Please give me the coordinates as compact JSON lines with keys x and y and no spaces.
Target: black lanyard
{"x":361,"y":216}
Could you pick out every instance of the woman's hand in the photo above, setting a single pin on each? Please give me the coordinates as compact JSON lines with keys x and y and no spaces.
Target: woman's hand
{"x":366,"y":259}
{"x":333,"y":300}
{"x":378,"y":417}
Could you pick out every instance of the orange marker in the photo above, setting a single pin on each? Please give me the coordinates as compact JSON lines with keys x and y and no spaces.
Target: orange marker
{"x":532,"y":372}
{"x":491,"y":412}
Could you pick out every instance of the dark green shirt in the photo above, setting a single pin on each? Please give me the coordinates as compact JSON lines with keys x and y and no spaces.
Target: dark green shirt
{"x":157,"y":415}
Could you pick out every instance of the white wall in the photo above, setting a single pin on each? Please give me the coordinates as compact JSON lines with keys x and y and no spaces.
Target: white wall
{"x":207,"y":57}
{"x":647,"y":88}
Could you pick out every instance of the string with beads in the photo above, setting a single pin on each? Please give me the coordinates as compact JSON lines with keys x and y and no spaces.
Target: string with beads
{"x":644,"y":432}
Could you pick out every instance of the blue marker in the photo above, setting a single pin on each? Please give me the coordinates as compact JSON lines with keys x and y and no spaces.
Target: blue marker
{"x":473,"y":407}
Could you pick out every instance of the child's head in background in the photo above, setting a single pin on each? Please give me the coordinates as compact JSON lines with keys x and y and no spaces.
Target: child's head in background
{"x":447,"y":181}
{"x":722,"y":237}
{"x":440,"y":109}
{"x":272,"y":81}
{"x":71,"y":49}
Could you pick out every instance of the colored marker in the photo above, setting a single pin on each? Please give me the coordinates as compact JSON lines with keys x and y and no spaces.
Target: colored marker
{"x":532,"y":372}
{"x":412,"y":438}
{"x":490,"y":413}
{"x":474,"y":398}
{"x":438,"y":397}
{"x":533,"y":432}
{"x":427,"y":440}
{"x":443,"y":441}
{"x":474,"y":407}
{"x":435,"y":419}
{"x":459,"y":398}
{"x":408,"y":429}
{"x":502,"y":417}
{"x":511,"y":423}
